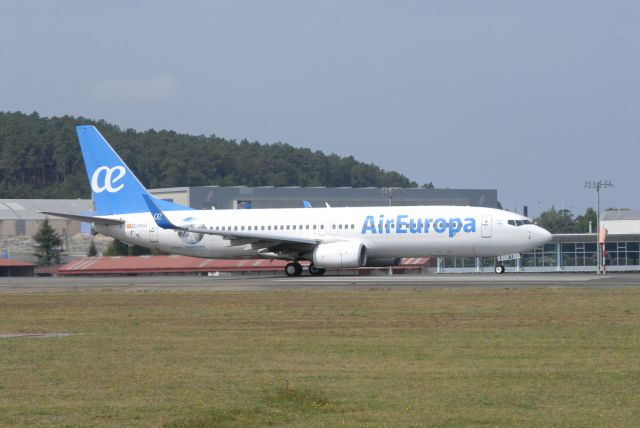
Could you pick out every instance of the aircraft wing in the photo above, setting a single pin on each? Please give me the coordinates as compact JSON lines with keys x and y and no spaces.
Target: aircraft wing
{"x":86,"y":218}
{"x":237,"y":237}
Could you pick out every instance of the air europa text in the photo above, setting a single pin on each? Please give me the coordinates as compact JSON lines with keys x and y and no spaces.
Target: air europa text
{"x":403,"y":224}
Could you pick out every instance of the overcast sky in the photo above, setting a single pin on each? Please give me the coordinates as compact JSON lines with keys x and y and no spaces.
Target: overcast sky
{"x":531,"y":98}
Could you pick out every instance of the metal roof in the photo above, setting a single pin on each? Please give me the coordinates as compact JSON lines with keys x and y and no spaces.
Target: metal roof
{"x":27,"y":209}
{"x":610,"y":215}
{"x":13,"y":263}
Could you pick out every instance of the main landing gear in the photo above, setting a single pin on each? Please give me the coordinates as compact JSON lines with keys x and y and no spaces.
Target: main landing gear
{"x":499,"y":268}
{"x":295,"y":269}
{"x":316,"y":271}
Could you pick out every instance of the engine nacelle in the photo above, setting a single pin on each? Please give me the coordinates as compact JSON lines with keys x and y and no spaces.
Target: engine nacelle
{"x":340,"y":255}
{"x":382,"y":261}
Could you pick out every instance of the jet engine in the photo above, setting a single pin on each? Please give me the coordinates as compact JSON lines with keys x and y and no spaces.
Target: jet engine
{"x":338,"y":255}
{"x":382,"y":261}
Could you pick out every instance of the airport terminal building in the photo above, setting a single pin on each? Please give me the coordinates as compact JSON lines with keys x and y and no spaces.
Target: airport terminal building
{"x":569,"y":252}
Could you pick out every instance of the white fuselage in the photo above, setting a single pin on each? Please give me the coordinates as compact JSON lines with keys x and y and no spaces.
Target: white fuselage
{"x":416,"y":231}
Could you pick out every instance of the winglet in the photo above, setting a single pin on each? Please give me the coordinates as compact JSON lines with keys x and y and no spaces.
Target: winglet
{"x":306,"y":203}
{"x":158,"y":216}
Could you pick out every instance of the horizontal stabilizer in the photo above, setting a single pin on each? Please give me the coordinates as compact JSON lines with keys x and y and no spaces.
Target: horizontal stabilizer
{"x":86,"y":218}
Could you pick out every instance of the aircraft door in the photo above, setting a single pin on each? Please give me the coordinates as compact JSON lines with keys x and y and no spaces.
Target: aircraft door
{"x":485,"y":226}
{"x":153,"y":233}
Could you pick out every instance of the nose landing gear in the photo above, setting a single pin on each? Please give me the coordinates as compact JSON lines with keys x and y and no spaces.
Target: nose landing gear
{"x":499,"y":269}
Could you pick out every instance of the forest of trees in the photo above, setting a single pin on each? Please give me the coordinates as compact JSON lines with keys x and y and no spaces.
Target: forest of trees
{"x":40,"y":158}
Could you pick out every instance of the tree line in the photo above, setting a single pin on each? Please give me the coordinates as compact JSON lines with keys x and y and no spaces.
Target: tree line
{"x":40,"y":158}
{"x":563,"y":221}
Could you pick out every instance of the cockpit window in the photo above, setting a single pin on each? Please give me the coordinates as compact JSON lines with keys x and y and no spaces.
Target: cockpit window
{"x":519,"y":222}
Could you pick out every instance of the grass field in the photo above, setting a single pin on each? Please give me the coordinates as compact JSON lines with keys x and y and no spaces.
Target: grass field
{"x":479,"y":357}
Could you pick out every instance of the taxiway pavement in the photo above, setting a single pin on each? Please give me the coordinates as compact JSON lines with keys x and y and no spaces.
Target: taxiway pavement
{"x":280,"y":283}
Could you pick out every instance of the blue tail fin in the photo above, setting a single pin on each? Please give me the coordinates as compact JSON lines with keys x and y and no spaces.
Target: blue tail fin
{"x":114,"y":188}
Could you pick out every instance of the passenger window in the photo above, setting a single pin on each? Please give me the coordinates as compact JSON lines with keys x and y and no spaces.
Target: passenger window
{"x":288,"y":227}
{"x":340,"y":226}
{"x":294,"y":227}
{"x":353,"y":226}
{"x":314,"y":227}
{"x":307,"y":227}
{"x":235,"y":227}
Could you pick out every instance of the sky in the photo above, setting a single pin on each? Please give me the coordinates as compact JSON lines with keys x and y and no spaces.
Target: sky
{"x":530,"y":98}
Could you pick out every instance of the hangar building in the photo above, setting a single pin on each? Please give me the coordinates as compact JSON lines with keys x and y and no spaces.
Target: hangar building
{"x":21,"y":217}
{"x":206,"y":197}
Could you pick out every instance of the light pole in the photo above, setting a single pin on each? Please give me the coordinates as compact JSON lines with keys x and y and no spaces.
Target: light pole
{"x":598,"y":184}
{"x":388,"y":191}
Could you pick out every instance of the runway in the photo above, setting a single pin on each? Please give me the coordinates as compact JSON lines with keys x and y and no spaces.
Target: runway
{"x":280,"y":283}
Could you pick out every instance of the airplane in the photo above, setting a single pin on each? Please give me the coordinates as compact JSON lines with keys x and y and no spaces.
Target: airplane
{"x":328,"y":238}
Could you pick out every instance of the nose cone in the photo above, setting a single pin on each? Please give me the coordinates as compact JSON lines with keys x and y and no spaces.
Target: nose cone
{"x":542,"y":236}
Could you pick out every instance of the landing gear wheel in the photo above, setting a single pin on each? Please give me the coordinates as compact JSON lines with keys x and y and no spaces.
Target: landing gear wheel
{"x":316,"y":271}
{"x":293,"y":269}
{"x":499,"y":269}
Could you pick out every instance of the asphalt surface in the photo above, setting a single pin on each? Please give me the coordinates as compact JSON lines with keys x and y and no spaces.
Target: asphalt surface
{"x":280,"y":283}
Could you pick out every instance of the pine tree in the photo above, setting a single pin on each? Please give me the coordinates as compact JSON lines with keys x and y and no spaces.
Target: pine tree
{"x":119,"y":248}
{"x":116,"y":248}
{"x":92,"y":249}
{"x":48,"y":244}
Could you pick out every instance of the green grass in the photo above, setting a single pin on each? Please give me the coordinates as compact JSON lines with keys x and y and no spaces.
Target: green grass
{"x":459,"y":357}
